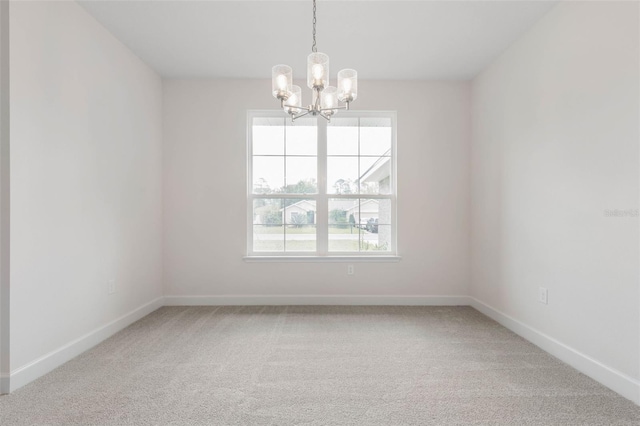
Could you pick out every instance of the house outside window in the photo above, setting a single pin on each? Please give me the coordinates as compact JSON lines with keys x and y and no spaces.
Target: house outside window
{"x":318,"y":189}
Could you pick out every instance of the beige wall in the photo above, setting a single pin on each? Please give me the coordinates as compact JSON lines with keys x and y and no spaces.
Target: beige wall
{"x":555,"y":145}
{"x":205,"y":194}
{"x":85,"y":178}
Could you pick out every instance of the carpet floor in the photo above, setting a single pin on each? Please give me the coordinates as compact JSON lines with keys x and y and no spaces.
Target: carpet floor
{"x":316,"y":365}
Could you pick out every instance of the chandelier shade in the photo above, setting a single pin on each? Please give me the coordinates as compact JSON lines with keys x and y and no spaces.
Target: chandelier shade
{"x":294,"y":101}
{"x":329,"y":99}
{"x":325,"y":98}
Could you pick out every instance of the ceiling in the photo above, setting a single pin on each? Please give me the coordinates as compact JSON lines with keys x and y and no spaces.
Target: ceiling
{"x":381,"y":39}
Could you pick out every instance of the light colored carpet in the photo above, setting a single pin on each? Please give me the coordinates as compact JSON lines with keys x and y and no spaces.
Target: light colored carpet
{"x":314,"y":365}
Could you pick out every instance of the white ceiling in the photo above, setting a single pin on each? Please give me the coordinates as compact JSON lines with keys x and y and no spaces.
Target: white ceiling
{"x":380,"y":39}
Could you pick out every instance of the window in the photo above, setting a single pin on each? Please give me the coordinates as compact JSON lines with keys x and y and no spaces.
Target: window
{"x":321,"y":189}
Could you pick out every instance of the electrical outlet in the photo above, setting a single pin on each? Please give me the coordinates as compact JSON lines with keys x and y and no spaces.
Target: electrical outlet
{"x":542,"y":295}
{"x":350,"y":270}
{"x":111,"y":286}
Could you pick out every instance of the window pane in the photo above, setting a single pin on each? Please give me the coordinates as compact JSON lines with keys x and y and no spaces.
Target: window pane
{"x":342,"y":175}
{"x":355,"y":225}
{"x":268,"y":174}
{"x":268,"y":136}
{"x":376,"y":238}
{"x":375,"y":175}
{"x":300,"y":230}
{"x":268,"y":238}
{"x":369,"y":212}
{"x":302,"y":137}
{"x":342,"y":136}
{"x":299,"y":212}
{"x":376,"y":232}
{"x":301,"y":175}
{"x":268,"y":211}
{"x":268,"y":229}
{"x":344,"y":233}
{"x":375,"y":136}
{"x":300,"y":238}
{"x":384,"y":212}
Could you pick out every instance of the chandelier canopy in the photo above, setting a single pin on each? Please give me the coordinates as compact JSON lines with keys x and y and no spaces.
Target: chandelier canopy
{"x":325,"y":98}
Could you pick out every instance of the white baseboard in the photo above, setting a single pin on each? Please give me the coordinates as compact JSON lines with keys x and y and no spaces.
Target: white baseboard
{"x":615,"y":380}
{"x":41,"y":366}
{"x":240,"y":300}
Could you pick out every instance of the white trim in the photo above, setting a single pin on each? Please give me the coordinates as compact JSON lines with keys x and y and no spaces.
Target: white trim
{"x":394,"y":183}
{"x":336,"y":300}
{"x":43,"y":365}
{"x":320,"y":259}
{"x":613,"y":379}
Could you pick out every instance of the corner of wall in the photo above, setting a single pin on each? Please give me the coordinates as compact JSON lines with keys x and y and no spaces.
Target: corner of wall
{"x":4,"y":198}
{"x":56,"y":358}
{"x":613,"y":379}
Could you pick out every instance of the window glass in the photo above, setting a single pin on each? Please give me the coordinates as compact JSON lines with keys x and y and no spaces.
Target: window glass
{"x":268,"y":226}
{"x":339,"y":204}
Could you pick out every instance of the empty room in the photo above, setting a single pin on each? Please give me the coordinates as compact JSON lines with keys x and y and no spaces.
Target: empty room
{"x":319,"y":212}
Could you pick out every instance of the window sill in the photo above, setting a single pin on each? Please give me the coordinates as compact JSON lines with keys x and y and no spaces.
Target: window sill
{"x":323,"y":259}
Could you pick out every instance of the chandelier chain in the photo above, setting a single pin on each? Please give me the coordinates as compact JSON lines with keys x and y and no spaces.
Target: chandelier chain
{"x":313,"y":47}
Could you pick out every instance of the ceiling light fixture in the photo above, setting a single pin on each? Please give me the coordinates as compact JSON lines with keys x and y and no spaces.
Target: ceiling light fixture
{"x":325,"y":98}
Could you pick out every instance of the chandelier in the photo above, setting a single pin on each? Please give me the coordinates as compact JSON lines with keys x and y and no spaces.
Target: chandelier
{"x":325,"y":98}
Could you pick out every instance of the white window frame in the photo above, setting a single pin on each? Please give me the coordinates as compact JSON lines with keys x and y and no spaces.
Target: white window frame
{"x":322,"y":197}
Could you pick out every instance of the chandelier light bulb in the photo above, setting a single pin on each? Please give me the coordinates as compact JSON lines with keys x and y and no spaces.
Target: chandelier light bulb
{"x":316,"y":70}
{"x":346,"y":86}
{"x":281,"y":82}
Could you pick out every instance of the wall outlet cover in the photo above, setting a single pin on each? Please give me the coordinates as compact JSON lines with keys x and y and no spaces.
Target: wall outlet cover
{"x":542,"y":295}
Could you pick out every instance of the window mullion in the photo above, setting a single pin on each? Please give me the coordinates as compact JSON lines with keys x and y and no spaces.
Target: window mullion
{"x":322,"y":203}
{"x":284,"y":164}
